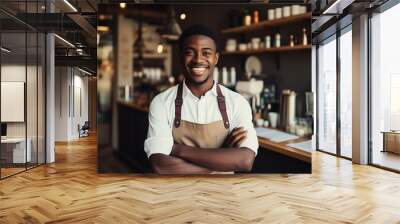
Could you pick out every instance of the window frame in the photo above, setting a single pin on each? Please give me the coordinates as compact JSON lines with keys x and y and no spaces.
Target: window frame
{"x":333,"y":37}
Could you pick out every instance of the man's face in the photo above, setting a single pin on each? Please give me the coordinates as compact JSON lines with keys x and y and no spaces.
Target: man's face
{"x":199,"y":58}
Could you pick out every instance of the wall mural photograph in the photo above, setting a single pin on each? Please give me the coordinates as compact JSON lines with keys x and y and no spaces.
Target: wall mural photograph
{"x":211,"y":111}
{"x":184,"y":93}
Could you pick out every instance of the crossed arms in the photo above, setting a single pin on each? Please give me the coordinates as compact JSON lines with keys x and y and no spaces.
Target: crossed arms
{"x":191,"y":160}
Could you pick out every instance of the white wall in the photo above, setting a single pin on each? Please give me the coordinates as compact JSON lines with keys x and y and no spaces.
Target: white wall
{"x":71,"y":87}
{"x":62,"y":81}
{"x":33,"y":127}
{"x":13,"y":73}
{"x":80,"y":93}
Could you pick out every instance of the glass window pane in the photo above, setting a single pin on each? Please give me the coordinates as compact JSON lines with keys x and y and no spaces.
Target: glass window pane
{"x":346,"y":94}
{"x":385,"y":87}
{"x":22,"y":71}
{"x":14,"y":153}
{"x":327,"y":96}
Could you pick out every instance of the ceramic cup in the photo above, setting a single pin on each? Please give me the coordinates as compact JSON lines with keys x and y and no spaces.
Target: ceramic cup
{"x":278,"y":13}
{"x":271,"y":14}
{"x":286,"y":11}
{"x":255,"y":43}
{"x":303,"y":9}
{"x":231,"y":45}
{"x":273,"y":119}
{"x":249,"y":46}
{"x":295,"y":10}
{"x":260,"y":122}
{"x":242,"y":47}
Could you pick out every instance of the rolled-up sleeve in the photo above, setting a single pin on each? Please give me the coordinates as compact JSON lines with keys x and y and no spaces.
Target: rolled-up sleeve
{"x":243,"y":118}
{"x":159,"y":136}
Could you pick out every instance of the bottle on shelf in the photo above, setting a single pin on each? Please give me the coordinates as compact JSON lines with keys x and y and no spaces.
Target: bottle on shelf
{"x":277,"y":40}
{"x":224,"y":76}
{"x":268,"y":41}
{"x":305,"y":41}
{"x":233,"y":76}
{"x":247,"y":18}
{"x":216,"y":74}
{"x":291,"y":40}
{"x":256,"y":17}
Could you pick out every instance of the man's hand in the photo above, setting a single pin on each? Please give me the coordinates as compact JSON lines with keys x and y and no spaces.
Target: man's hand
{"x":235,"y":138}
{"x":164,"y":164}
{"x":227,"y":158}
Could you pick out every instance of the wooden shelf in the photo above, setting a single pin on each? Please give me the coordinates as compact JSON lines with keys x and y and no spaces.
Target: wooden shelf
{"x":268,"y":50}
{"x":267,"y":23}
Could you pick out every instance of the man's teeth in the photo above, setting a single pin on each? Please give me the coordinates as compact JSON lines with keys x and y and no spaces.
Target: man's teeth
{"x":198,"y":70}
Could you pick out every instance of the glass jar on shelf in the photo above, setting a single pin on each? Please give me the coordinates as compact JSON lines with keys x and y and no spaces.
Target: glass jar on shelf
{"x":246,"y":17}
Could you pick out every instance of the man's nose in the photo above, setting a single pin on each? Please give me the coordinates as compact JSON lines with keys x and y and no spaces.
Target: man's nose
{"x":197,"y":58}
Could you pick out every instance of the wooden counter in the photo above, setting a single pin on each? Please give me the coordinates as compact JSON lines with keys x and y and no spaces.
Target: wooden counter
{"x":279,"y":147}
{"x":272,"y":157}
{"x":283,"y":148}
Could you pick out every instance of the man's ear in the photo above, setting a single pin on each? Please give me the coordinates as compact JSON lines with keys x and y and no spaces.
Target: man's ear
{"x":216,"y":58}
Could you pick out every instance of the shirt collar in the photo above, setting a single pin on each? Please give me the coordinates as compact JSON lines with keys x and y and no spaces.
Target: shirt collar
{"x":186,"y":91}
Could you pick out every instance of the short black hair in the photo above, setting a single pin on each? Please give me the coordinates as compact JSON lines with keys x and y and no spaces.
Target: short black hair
{"x":199,"y":29}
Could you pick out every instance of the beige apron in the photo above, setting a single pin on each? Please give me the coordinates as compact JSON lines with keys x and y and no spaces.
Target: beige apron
{"x":211,"y":135}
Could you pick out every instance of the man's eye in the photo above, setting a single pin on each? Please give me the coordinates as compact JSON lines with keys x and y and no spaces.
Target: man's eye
{"x":189,"y":52}
{"x":206,"y":53}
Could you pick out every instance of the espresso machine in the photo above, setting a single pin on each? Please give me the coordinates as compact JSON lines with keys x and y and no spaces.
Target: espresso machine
{"x":251,"y":90}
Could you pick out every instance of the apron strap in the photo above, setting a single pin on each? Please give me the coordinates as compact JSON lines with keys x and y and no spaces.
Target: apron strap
{"x":222,"y":107}
{"x":178,"y":106}
{"x":220,"y":100}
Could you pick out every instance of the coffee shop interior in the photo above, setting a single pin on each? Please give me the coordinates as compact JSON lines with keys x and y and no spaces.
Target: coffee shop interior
{"x":267,"y":60}
{"x":321,"y":76}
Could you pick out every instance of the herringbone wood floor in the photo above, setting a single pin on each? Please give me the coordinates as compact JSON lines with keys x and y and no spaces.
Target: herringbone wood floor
{"x":71,"y":191}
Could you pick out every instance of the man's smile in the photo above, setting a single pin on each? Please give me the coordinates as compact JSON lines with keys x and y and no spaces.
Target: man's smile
{"x":198,"y":70}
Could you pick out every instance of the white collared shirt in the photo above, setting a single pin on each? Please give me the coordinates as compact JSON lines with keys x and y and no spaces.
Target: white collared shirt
{"x":201,"y":110}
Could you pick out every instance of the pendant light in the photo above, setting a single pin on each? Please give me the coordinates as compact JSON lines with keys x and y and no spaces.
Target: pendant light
{"x":171,"y":30}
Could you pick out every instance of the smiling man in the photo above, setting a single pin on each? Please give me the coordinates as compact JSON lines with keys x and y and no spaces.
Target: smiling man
{"x":198,"y":126}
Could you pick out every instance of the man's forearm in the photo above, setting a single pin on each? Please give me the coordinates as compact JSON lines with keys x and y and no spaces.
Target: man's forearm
{"x":221,"y":159}
{"x":164,"y":164}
